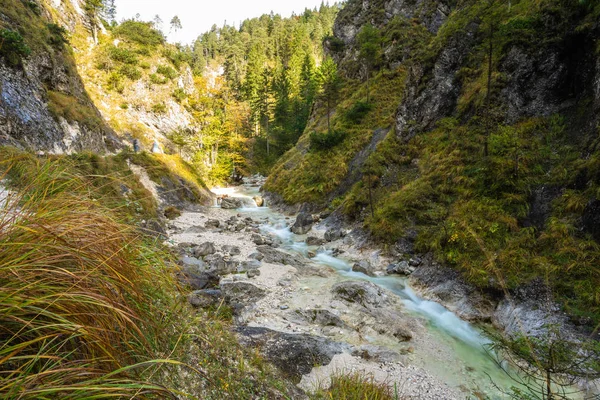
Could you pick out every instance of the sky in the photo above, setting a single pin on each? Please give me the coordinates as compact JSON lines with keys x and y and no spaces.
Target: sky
{"x":197,"y":16}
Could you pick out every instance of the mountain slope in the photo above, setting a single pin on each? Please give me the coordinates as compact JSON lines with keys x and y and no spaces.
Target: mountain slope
{"x":491,"y":160}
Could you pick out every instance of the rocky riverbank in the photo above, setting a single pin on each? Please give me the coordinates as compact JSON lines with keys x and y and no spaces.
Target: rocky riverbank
{"x":314,"y":315}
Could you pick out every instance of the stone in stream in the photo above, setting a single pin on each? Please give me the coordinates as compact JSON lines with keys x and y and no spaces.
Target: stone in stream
{"x":260,"y":240}
{"x":303,"y":224}
{"x":205,"y":249}
{"x":230,"y":203}
{"x":205,"y":298}
{"x":363,"y":266}
{"x":366,"y":294}
{"x":293,"y":354}
{"x":314,"y":241}
{"x":253,"y":273}
{"x":259,"y":201}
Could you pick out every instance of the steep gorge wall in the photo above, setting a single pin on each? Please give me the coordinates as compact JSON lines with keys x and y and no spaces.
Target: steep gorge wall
{"x":527,"y":209}
{"x":44,"y":105}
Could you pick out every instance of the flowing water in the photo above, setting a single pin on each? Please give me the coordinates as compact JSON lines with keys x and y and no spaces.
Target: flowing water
{"x":465,"y":363}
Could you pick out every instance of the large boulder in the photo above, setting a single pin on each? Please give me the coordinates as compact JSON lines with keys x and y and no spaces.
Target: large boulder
{"x":402,"y":268}
{"x":366,"y":294}
{"x":363,"y":266}
{"x":294,"y":355}
{"x":230,"y":203}
{"x":304,"y":223}
{"x":273,"y":256}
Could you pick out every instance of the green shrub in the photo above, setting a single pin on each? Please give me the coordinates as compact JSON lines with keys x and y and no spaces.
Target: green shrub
{"x":139,"y":32}
{"x":157,"y":79}
{"x":179,"y":95}
{"x":326,"y":141}
{"x":358,"y":111}
{"x":355,"y":386}
{"x":123,"y":55}
{"x":166,"y":71}
{"x":130,"y":72}
{"x":159,"y":108}
{"x":33,"y":6}
{"x":334,"y":44}
{"x":145,"y":65}
{"x":177,"y":56}
{"x":58,"y":35}
{"x":115,"y":82}
{"x":124,"y":106}
{"x":13,"y":47}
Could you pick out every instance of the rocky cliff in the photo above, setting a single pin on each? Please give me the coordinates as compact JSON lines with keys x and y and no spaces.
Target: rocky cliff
{"x":44,"y":105}
{"x":491,"y":162}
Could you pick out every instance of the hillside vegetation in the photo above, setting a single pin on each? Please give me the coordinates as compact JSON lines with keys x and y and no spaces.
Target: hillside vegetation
{"x":491,"y":162}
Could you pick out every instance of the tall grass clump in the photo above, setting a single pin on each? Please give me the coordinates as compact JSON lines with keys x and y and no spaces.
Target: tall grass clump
{"x":84,"y":305}
{"x":356,"y":386}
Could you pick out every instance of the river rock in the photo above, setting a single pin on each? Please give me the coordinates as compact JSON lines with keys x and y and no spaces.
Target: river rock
{"x":231,"y":203}
{"x":259,"y":201}
{"x":402,"y":268}
{"x":198,"y":280}
{"x":363,"y":266}
{"x":205,"y":298}
{"x":188,"y":261}
{"x":314,"y":241}
{"x":195,"y":229}
{"x":293,"y":354}
{"x":253,"y":273}
{"x":304,"y":223}
{"x":205,"y":249}
{"x":212,"y":223}
{"x":256,"y":256}
{"x":376,"y":354}
{"x":333,"y":234}
{"x":260,"y":240}
{"x":231,"y":250}
{"x":366,"y":294}
{"x":240,"y":294}
{"x":279,"y":257}
{"x":317,"y":316}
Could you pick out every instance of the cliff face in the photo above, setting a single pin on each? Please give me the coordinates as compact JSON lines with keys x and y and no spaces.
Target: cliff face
{"x":43,"y":103}
{"x":491,"y":162}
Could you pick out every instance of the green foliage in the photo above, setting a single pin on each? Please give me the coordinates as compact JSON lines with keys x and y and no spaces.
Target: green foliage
{"x":115,"y":82}
{"x":358,"y":111}
{"x":159,"y":108}
{"x":172,"y":212}
{"x":142,"y":33}
{"x":33,"y":6}
{"x":58,"y":35}
{"x":130,"y":72}
{"x":355,"y":386}
{"x":167,"y":72}
{"x":326,"y":141}
{"x":179,"y":95}
{"x":12,"y":47}
{"x":158,"y":79}
{"x":123,"y":55}
{"x":550,"y":365}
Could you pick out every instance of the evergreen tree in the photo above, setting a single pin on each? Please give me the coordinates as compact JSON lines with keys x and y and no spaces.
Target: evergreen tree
{"x":330,"y":84}
{"x":369,"y":42}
